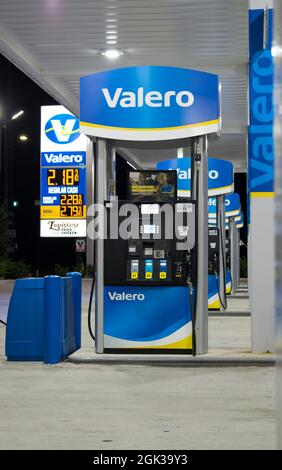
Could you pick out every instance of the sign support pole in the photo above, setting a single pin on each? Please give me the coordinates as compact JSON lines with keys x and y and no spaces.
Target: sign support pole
{"x":200,"y":193}
{"x":90,"y":198}
{"x":100,"y":181}
{"x":111,"y":171}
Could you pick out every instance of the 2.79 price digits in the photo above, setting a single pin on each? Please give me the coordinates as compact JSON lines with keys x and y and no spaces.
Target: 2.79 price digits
{"x":71,"y":211}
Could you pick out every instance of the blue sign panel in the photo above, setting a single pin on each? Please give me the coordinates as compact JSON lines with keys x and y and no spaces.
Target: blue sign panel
{"x":149,"y":103}
{"x":220,"y":179}
{"x":56,"y":182}
{"x":133,"y":317}
{"x":232,"y":205}
{"x":260,"y":134}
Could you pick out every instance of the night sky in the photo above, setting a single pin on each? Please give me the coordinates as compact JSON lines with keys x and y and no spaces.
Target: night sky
{"x":17,"y":91}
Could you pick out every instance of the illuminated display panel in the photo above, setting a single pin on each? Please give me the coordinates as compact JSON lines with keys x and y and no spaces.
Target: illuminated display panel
{"x":71,"y":211}
{"x":63,"y":193}
{"x":71,"y":199}
{"x":148,"y":209}
{"x":63,"y":177}
{"x":71,"y":205}
{"x":152,"y":183}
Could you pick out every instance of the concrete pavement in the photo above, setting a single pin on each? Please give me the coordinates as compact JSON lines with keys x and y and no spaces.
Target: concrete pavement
{"x":86,"y":403}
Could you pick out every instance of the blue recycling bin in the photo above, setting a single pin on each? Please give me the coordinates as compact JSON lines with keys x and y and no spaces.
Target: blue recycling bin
{"x":44,"y":319}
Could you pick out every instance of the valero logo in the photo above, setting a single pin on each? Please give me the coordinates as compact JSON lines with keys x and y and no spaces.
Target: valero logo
{"x":149,"y":103}
{"x":62,"y":129}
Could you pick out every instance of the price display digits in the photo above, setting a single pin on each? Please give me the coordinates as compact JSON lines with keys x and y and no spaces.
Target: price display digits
{"x":63,"y":177}
{"x":71,"y":205}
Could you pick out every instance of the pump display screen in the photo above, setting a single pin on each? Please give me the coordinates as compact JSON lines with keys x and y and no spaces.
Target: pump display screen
{"x":150,"y":209}
{"x":152,"y":183}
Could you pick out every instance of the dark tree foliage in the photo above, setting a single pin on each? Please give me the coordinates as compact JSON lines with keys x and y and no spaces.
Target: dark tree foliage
{"x":3,"y":231}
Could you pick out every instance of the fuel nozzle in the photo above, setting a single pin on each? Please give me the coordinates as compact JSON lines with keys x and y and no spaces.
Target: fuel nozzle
{"x":215,"y":262}
{"x":190,"y":285}
{"x":189,"y":266}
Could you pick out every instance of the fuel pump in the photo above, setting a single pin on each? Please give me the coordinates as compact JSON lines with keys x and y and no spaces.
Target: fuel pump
{"x":143,"y":301}
{"x":213,"y":251}
{"x":228,"y":263}
{"x":227,"y":249}
{"x":149,"y":268}
{"x":213,"y":272}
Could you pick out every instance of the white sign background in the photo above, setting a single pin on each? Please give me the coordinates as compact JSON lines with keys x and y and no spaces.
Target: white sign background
{"x":63,"y":228}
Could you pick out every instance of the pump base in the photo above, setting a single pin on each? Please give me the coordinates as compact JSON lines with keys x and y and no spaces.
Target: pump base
{"x":148,"y":351}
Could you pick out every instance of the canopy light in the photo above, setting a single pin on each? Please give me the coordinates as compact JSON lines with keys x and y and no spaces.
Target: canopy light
{"x":18,"y":114}
{"x":112,"y":53}
{"x":130,"y":164}
{"x":23,"y":138}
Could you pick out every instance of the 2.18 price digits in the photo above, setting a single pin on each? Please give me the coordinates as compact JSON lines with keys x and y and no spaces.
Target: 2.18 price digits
{"x":63,"y":177}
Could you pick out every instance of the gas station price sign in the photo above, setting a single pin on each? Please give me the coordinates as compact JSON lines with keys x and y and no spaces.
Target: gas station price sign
{"x":63,"y":174}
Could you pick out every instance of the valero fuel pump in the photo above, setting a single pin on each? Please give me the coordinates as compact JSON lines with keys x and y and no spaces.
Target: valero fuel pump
{"x":213,"y":251}
{"x":148,"y":296}
{"x":213,"y":274}
{"x":228,"y":263}
{"x":149,"y":269}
